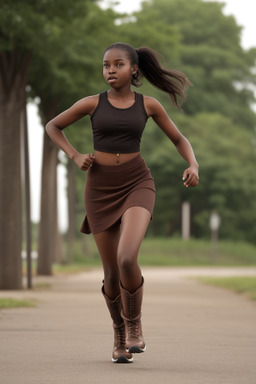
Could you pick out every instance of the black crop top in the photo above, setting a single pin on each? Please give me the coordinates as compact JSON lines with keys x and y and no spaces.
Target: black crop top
{"x":118,"y":130}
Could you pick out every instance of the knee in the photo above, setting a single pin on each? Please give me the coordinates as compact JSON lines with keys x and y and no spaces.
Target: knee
{"x":127,"y":262}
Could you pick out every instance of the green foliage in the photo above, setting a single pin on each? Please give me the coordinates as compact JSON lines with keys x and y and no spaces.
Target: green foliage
{"x":68,"y":39}
{"x":223,"y":151}
{"x":31,"y":25}
{"x":218,"y":121}
{"x":227,"y":180}
{"x":147,"y":29}
{"x":212,"y":57}
{"x":71,"y":66}
{"x":196,"y":37}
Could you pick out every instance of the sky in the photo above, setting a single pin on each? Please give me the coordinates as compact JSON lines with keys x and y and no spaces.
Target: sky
{"x":245,"y":17}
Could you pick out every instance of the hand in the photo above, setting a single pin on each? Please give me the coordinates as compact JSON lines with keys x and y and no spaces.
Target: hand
{"x":190,"y":177}
{"x":84,"y":161}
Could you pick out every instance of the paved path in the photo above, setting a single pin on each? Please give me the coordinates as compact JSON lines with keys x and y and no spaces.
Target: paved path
{"x":195,"y":334}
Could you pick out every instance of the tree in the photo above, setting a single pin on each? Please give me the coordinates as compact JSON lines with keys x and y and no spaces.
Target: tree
{"x":14,"y":62}
{"x":227,"y":181}
{"x":25,"y":27}
{"x":211,"y":55}
{"x":66,"y":79}
{"x":218,"y":110}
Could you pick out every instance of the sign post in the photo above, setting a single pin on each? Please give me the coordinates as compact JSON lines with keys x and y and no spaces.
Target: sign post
{"x":214,"y":224}
{"x":185,"y":220}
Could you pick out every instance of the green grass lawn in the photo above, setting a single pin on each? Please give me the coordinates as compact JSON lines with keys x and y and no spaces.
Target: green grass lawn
{"x":245,"y":284}
{"x":166,"y":252}
{"x":14,"y":303}
{"x":177,"y":252}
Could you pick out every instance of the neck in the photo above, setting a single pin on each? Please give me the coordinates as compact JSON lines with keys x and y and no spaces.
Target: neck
{"x":121,"y":92}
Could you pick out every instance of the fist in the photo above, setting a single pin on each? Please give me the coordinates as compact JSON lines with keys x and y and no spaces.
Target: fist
{"x":84,"y":161}
{"x":190,"y":177}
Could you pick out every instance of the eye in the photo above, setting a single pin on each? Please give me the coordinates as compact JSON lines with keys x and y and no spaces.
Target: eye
{"x":105,"y":65}
{"x":119,"y":65}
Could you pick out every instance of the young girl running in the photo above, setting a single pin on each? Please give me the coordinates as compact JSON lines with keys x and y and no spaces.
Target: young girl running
{"x":120,"y":191}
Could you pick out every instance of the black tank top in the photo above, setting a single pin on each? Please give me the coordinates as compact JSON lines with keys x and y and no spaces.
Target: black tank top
{"x":118,"y":130}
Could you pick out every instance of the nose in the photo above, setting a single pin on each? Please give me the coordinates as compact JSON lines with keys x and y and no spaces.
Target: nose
{"x":111,"y":69}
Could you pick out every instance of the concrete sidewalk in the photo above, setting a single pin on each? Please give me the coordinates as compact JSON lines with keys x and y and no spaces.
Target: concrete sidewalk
{"x":195,"y":334}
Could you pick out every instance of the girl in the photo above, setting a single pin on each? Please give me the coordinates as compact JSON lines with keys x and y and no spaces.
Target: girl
{"x":120,"y":191}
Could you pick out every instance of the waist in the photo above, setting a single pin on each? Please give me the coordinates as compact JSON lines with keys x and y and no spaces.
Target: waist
{"x":106,"y":158}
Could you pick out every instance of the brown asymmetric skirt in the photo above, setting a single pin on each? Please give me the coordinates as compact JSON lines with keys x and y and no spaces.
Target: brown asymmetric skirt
{"x":111,"y":189}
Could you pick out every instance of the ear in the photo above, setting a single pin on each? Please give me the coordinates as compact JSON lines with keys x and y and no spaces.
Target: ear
{"x":135,"y":69}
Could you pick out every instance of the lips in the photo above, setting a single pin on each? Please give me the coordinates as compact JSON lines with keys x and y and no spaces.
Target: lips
{"x":112,"y":78}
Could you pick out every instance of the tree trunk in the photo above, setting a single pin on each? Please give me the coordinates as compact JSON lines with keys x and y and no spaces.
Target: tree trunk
{"x":48,"y":221}
{"x":26,"y":187}
{"x":58,"y":246}
{"x":10,"y":198}
{"x":13,"y":71}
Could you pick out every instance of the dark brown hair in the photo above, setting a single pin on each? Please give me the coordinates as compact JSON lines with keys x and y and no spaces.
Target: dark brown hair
{"x":170,"y":81}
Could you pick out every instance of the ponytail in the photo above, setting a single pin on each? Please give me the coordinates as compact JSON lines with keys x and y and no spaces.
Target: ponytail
{"x":173,"y":82}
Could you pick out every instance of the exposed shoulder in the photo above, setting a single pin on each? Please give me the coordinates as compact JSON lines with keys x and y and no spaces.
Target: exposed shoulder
{"x":86,"y":105}
{"x":81,"y":108}
{"x":152,"y":106}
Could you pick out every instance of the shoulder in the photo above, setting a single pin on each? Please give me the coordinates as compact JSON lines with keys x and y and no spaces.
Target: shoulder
{"x":81,"y":108}
{"x":86,"y":105}
{"x":152,"y":106}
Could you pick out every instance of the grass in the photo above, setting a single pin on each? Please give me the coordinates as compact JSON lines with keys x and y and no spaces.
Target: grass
{"x":42,"y":285}
{"x":66,"y":269}
{"x":165,"y":252}
{"x":176,"y":252}
{"x":241,"y":284}
{"x":14,"y":303}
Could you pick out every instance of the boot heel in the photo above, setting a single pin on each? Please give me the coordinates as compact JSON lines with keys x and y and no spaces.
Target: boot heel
{"x":136,"y":349}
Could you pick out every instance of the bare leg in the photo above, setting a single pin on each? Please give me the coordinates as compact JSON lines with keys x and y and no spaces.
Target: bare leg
{"x":135,"y":222}
{"x":107,"y":243}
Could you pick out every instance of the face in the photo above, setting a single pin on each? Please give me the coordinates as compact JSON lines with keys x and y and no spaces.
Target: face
{"x":117,"y":69}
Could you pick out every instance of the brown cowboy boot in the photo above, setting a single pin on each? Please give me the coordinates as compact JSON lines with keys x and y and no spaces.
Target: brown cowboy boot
{"x":131,"y":313}
{"x":120,"y":355}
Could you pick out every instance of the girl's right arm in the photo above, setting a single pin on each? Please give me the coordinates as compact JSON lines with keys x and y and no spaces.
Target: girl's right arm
{"x":55,"y":126}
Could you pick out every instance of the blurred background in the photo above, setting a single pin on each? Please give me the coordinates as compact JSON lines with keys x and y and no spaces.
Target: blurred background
{"x":51,"y":56}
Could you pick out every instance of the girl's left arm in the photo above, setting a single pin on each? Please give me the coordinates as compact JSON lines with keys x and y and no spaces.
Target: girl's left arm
{"x":159,"y":115}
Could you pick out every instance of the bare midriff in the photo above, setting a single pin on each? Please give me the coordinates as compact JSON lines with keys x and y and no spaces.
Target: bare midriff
{"x":105,"y":158}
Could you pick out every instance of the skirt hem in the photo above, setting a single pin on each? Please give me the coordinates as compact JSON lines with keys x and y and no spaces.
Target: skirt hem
{"x":86,"y":226}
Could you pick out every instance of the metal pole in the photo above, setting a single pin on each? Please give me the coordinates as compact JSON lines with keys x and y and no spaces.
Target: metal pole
{"x":214,"y":223}
{"x":27,"y":196}
{"x":214,"y":248}
{"x":185,"y":221}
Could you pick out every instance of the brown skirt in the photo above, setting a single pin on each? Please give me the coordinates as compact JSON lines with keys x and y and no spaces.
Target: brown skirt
{"x":111,"y":189}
